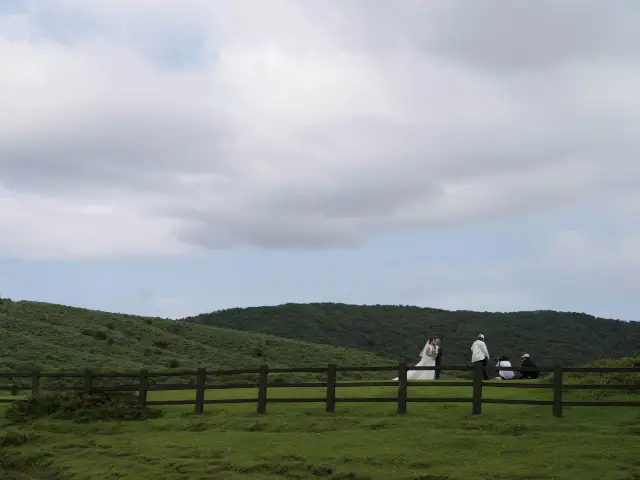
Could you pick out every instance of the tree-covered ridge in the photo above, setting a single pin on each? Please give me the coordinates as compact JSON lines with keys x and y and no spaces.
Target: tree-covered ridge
{"x":47,"y":336}
{"x":399,"y":332}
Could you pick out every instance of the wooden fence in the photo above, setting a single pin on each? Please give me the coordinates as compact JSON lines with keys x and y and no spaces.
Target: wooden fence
{"x":331,"y":384}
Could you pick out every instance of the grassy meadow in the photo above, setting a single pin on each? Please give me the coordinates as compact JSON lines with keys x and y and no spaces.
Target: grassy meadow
{"x":360,"y":441}
{"x":434,"y":441}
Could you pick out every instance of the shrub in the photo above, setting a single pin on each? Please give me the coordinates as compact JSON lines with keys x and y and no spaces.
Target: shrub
{"x":100,"y":335}
{"x":80,"y":408}
{"x":96,"y":334}
{"x":12,"y":438}
{"x":619,"y":378}
{"x":16,"y":465}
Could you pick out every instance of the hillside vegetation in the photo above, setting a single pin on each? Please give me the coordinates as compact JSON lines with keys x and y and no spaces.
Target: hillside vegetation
{"x":399,"y":332}
{"x":47,"y":336}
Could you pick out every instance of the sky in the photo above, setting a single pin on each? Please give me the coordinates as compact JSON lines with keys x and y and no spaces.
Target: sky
{"x":174,"y":157}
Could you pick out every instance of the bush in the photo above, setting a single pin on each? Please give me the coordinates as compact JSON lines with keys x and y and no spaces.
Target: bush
{"x":12,"y":438}
{"x":100,"y":335}
{"x":613,"y":378}
{"x":16,"y":465}
{"x":80,"y":408}
{"x":96,"y":334}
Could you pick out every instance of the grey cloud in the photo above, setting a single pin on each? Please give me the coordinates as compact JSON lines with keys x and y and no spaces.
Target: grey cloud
{"x":256,"y":229}
{"x":130,"y":148}
{"x":452,"y":115}
{"x":502,"y":35}
{"x":358,"y":199}
{"x":539,"y":34}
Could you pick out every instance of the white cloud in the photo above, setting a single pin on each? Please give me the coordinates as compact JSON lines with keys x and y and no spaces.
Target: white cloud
{"x":45,"y":228}
{"x":297,"y":124}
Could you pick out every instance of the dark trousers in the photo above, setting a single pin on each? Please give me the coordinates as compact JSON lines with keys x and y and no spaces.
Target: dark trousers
{"x":437,"y":365}
{"x":485,"y":375}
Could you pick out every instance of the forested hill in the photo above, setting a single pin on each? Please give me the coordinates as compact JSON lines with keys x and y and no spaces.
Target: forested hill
{"x":400,"y":331}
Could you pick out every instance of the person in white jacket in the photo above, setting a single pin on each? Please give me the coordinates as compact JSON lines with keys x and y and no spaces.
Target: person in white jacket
{"x":504,"y":362}
{"x":480,"y":354}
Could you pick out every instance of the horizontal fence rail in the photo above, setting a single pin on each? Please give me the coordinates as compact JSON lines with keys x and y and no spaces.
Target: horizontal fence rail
{"x":145,"y":384}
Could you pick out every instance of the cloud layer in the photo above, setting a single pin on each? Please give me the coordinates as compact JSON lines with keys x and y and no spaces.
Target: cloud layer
{"x":135,"y":128}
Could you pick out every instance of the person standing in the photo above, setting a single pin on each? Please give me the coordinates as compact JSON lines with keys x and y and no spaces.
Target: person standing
{"x":480,"y":354}
{"x":438,"y":356}
{"x":428,"y":359}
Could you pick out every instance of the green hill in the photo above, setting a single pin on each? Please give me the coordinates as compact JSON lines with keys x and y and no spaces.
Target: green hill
{"x":51,"y":336}
{"x":47,"y":336}
{"x":399,"y":332}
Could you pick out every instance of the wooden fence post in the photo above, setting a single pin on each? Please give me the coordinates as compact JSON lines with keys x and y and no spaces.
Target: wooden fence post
{"x":557,"y":391}
{"x":262,"y":388}
{"x":402,"y":388}
{"x":35,"y":383}
{"x":476,"y":400}
{"x":88,"y":382}
{"x":331,"y":387}
{"x":143,"y":388}
{"x":202,"y":379}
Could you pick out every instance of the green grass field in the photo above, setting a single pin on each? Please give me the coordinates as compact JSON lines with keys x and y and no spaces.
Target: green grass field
{"x":359,"y":441}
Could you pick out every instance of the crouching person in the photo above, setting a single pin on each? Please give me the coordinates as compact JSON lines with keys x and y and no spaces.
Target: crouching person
{"x":531,"y":371}
{"x":504,"y":362}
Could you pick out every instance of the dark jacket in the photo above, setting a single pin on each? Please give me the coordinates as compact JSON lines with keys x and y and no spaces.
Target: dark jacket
{"x":528,"y":363}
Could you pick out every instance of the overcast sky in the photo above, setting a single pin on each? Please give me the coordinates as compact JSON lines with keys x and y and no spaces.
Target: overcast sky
{"x":171,"y":157}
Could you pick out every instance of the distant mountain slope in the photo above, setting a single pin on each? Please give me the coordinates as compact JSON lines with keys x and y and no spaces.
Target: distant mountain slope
{"x":54,"y":336}
{"x":400,"y":332}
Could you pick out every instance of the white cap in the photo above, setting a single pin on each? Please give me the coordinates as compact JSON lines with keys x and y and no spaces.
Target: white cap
{"x":481,"y":336}
{"x":526,"y":355}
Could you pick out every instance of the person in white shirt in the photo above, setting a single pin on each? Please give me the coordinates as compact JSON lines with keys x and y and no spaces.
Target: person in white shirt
{"x":503,"y":362}
{"x":480,"y":354}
